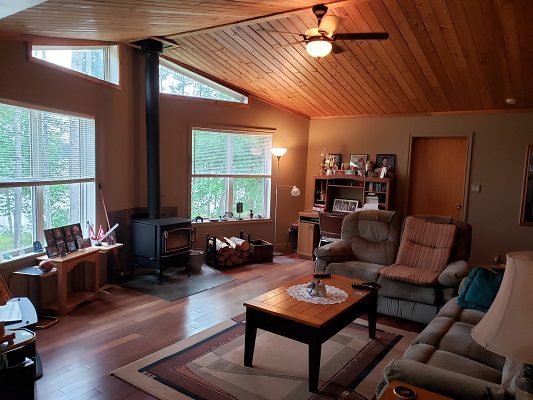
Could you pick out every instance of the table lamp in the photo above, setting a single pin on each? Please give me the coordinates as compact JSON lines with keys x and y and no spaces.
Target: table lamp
{"x":507,"y":327}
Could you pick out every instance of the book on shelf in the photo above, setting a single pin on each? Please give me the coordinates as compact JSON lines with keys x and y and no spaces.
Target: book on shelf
{"x":319,"y":207}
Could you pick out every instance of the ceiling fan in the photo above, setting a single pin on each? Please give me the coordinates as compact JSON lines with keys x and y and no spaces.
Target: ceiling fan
{"x":320,"y":41}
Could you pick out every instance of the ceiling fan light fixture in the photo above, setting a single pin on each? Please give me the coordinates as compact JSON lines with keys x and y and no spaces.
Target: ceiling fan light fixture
{"x":318,"y":47}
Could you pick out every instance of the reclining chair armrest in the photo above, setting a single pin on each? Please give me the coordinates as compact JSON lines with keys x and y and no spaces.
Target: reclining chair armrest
{"x":338,"y":251}
{"x":441,"y":381}
{"x":454,"y":273}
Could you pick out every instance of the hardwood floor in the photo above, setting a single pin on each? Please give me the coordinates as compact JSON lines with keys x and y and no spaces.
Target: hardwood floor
{"x":85,"y":346}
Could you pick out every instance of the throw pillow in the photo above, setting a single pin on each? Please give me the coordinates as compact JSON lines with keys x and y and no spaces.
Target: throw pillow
{"x":480,"y":289}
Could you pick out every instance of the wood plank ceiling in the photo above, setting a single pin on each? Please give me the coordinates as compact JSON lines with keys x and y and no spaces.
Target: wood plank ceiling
{"x":442,"y":55}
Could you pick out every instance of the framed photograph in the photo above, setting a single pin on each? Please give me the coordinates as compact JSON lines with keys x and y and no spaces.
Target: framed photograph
{"x":387,"y":161}
{"x":49,"y":236}
{"x":358,"y":160}
{"x":345,"y":205}
{"x":58,"y":234}
{"x":68,"y":233}
{"x":62,"y":247}
{"x":52,"y":251}
{"x":76,"y":230}
{"x":338,"y":159}
{"x":71,"y":246}
{"x":526,"y":211}
{"x":83,"y":243}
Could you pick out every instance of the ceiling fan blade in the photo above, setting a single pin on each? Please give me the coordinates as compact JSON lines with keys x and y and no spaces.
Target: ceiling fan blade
{"x":311,"y":32}
{"x":282,"y":32}
{"x":281,"y":46}
{"x":361,"y":36}
{"x":336,"y":48}
{"x":329,"y":24}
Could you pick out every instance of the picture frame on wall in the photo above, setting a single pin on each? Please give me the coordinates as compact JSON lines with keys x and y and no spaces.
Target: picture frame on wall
{"x":344,"y":205}
{"x":387,"y":161}
{"x":357,"y":160}
{"x":526,"y":210}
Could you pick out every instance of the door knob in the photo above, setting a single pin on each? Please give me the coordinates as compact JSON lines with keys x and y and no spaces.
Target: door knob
{"x":458,"y":206}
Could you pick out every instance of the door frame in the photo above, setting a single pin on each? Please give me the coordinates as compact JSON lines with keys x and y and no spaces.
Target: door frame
{"x":469,"y":144}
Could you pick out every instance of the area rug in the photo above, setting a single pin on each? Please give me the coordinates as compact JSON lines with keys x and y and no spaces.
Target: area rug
{"x":179,"y":284}
{"x":209,"y":365}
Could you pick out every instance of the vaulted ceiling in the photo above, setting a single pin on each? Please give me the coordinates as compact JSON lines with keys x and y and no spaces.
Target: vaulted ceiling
{"x":442,"y":55}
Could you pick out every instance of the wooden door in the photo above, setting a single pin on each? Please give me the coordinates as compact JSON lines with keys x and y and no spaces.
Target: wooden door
{"x":437,"y":177}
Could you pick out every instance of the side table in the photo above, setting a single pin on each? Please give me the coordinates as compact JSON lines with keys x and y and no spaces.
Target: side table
{"x":31,"y":273}
{"x":421,"y":394}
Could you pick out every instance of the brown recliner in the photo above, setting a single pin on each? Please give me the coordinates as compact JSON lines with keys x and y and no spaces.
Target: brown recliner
{"x":369,"y":241}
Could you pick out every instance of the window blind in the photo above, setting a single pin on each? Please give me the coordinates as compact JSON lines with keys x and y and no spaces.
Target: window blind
{"x":39,"y":147}
{"x":231,"y":153}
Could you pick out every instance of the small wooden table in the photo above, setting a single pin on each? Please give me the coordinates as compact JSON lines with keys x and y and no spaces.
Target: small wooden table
{"x":312,"y":324}
{"x":421,"y":394}
{"x":66,"y":301}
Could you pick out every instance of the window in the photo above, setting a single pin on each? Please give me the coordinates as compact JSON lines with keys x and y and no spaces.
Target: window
{"x":100,"y":62}
{"x":228,"y":168}
{"x":176,"y":80}
{"x":47,"y":174}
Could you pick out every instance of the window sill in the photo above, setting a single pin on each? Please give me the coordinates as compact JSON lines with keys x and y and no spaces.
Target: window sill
{"x":233,"y":222}
{"x":21,"y":259}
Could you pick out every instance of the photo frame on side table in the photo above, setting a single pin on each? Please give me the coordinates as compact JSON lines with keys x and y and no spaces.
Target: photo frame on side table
{"x":526,"y":210}
{"x":345,"y":205}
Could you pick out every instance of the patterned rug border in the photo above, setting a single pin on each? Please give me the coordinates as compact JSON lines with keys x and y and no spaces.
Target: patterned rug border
{"x":137,"y":375}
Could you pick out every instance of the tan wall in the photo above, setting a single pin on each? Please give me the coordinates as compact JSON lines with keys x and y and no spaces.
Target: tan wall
{"x":120,"y":133}
{"x":498,"y":157}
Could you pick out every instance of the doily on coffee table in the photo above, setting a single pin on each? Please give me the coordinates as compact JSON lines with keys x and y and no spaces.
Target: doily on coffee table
{"x":333,"y":295}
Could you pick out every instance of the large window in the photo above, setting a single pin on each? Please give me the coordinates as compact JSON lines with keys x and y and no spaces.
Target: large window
{"x":100,"y":62}
{"x":176,"y":80}
{"x":230,"y":167}
{"x":47,"y":173}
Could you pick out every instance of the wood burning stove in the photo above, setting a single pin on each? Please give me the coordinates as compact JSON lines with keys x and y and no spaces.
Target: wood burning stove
{"x":158,"y":242}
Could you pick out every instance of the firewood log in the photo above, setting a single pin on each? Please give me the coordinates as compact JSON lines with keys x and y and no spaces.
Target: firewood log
{"x":232,"y":244}
{"x":244,"y":244}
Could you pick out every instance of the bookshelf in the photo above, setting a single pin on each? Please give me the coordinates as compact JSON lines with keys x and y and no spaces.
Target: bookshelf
{"x":352,"y":187}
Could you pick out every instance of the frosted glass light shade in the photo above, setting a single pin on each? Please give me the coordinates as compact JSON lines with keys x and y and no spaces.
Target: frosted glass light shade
{"x":295,"y":191}
{"x":279,"y":151}
{"x":318,"y":48}
{"x":506,"y":327}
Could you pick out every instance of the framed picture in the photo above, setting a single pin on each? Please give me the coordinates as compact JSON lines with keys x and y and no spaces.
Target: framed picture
{"x":526,"y":211}
{"x":338,"y":159}
{"x":358,"y":160}
{"x":71,"y":246}
{"x":52,"y":251}
{"x":68,"y":233}
{"x":76,"y":230}
{"x":58,"y":234}
{"x":62,"y":247}
{"x":49,"y":236}
{"x":83,"y":243}
{"x":345,"y":205}
{"x":387,"y":161}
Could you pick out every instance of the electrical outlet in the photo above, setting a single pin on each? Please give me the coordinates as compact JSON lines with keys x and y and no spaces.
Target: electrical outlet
{"x":476,"y":188}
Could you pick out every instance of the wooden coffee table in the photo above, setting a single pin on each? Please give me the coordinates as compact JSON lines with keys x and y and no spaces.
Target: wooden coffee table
{"x":313,"y":324}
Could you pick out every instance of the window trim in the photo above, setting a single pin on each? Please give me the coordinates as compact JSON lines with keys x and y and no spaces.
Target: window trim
{"x":268,"y":192}
{"x":81,"y":44}
{"x":173,"y":66}
{"x":37,"y":186}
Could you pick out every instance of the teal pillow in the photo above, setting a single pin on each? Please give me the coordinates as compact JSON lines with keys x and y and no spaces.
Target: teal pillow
{"x":480,"y":288}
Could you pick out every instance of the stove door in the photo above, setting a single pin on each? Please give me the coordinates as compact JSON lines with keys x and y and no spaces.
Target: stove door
{"x":176,"y":240}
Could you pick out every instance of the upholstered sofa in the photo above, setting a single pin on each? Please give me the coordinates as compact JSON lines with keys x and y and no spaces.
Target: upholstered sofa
{"x":419,"y":265}
{"x":446,"y":360}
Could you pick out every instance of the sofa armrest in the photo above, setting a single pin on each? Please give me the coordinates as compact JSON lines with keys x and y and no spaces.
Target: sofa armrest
{"x":338,"y":251}
{"x":441,"y":381}
{"x":454,"y":273}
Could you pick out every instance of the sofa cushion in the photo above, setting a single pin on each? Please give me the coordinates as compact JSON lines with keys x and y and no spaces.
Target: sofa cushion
{"x":356,"y":269}
{"x":407,"y":309}
{"x":405,"y":273}
{"x":452,"y":310}
{"x":428,"y":355}
{"x":480,"y":289}
{"x":426,"y":245}
{"x":408,"y":291}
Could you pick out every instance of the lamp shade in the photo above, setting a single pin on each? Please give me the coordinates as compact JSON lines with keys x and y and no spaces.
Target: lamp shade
{"x":318,"y":47}
{"x":279,"y":151}
{"x":506,"y":327}
{"x":295,"y":191}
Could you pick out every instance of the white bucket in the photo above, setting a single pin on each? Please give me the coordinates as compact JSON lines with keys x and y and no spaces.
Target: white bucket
{"x":196,"y":259}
